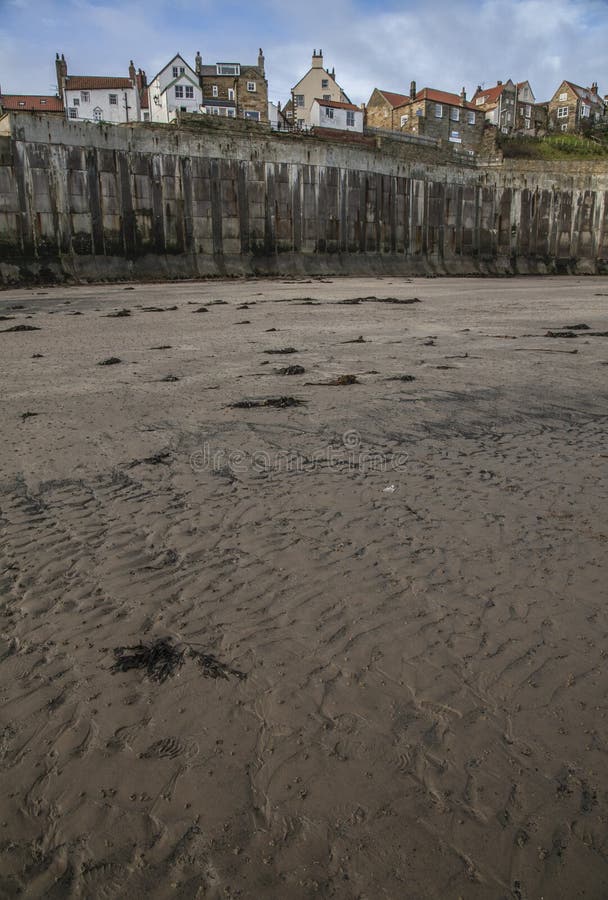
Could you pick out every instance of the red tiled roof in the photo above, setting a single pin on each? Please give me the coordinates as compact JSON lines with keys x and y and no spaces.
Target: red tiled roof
{"x":490,"y":95}
{"x":394,"y":99}
{"x":334,"y":104}
{"x":442,"y":97}
{"x":95,"y":82}
{"x":30,"y":102}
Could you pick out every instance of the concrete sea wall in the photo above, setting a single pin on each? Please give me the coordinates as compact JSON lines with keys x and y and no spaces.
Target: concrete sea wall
{"x":99,"y":202}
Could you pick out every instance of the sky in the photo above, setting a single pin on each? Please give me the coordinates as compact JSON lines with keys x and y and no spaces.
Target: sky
{"x":445,"y":44}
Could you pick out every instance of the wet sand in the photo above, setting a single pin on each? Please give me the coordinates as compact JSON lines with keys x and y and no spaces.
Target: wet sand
{"x":411,"y":574}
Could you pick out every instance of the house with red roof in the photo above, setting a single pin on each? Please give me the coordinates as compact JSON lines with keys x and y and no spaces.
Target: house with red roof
{"x":98,"y":98}
{"x":318,"y":82}
{"x":16,"y":103}
{"x":511,"y":107}
{"x":337,"y":115}
{"x":449,"y":118}
{"x":575,"y":108}
{"x":380,"y":109}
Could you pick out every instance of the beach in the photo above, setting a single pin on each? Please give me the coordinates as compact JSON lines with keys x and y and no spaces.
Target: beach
{"x":367,"y":516}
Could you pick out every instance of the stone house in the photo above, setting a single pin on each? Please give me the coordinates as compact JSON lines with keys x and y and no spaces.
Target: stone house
{"x":96,"y":98}
{"x":235,"y":90}
{"x":339,"y":116}
{"x":318,"y":82}
{"x":174,"y":89}
{"x":511,"y":107}
{"x":575,"y":108}
{"x":447,"y":117}
{"x":380,"y":109}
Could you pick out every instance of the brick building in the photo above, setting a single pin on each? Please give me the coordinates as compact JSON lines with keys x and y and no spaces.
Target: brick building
{"x":234,"y":90}
{"x":511,"y":107}
{"x":441,"y":115}
{"x":575,"y":108}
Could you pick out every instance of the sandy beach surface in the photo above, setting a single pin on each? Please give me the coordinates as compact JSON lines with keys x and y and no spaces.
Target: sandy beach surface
{"x":400,"y":585}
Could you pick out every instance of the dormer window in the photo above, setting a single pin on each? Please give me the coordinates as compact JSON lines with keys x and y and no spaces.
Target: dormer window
{"x":228,"y":69}
{"x":178,"y":70}
{"x":480,"y":101}
{"x":42,"y":101}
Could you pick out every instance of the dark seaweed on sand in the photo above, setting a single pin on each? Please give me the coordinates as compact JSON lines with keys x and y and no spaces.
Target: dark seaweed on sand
{"x":110,"y":361}
{"x":282,"y":350}
{"x":120,"y":313}
{"x":158,"y":308}
{"x":20,"y":328}
{"x":290,"y":370}
{"x":162,"y":659}
{"x":397,"y":301}
{"x":275,"y":402}
{"x":200,"y":309}
{"x":561,"y":334}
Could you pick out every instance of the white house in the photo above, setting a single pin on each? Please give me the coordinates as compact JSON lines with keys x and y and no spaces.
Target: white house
{"x":333,"y":114}
{"x":98,"y":98}
{"x":175,"y":88}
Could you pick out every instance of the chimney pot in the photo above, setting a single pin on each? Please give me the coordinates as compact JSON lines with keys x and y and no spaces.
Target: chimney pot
{"x":412,"y":90}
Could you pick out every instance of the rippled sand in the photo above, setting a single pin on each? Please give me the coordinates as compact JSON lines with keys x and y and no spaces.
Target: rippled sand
{"x":411,"y":574}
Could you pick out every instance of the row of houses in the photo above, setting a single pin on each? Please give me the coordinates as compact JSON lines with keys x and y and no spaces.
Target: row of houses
{"x":240,"y":91}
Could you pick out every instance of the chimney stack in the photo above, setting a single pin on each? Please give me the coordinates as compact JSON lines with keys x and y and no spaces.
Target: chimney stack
{"x":198,"y":63}
{"x":594,"y":87}
{"x":317,"y":59}
{"x":463,"y":97}
{"x":61,"y":68}
{"x":498,"y":83}
{"x":412,"y":90}
{"x":261,"y":61}
{"x":132,"y":73}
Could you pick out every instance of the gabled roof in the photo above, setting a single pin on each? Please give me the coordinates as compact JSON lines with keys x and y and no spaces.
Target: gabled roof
{"x":170,"y":63}
{"x":95,"y":83}
{"x":443,"y":97}
{"x":31,"y":103}
{"x":394,"y":99}
{"x":334,"y":104}
{"x":585,"y":94}
{"x":491,"y":95}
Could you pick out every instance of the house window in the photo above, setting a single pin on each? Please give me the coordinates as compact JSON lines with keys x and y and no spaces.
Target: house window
{"x":454,"y":114}
{"x":85,"y":96}
{"x":329,"y":113}
{"x":562,"y":112}
{"x":299,"y":99}
{"x":179,"y":90}
{"x":189,"y":92}
{"x":324,"y":83}
{"x":350,"y":119}
{"x":252,"y":114}
{"x":183,"y":109}
{"x":73,"y":112}
{"x":528,"y":123}
{"x":471,"y":118}
{"x":251,"y":87}
{"x":528,"y":110}
{"x":585,"y":111}
{"x":438,"y":111}
{"x":228,"y":69}
{"x":215,"y":90}
{"x":420,"y":111}
{"x":404,"y":120}
{"x":563,"y":96}
{"x":97,"y":114}
{"x":300,"y":123}
{"x":76,"y":101}
{"x":146,"y":117}
{"x":327,"y":96}
{"x":480,"y":101}
{"x":231,"y":113}
{"x":113,"y":99}
{"x":455,"y":137}
{"x":22,"y":103}
{"x":42,"y":102}
{"x":564,"y":127}
{"x":175,"y":72}
{"x":231,"y":93}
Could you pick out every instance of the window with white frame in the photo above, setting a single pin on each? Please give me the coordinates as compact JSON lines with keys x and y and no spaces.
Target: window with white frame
{"x":324,"y":83}
{"x":113,"y":98}
{"x":85,"y":96}
{"x":231,"y":113}
{"x":564,"y":127}
{"x":528,"y":123}
{"x":146,"y":116}
{"x":189,"y":92}
{"x":76,"y":101}
{"x":480,"y":101}
{"x":179,"y":90}
{"x":563,"y":96}
{"x":231,"y":93}
{"x":454,"y":114}
{"x":97,"y":114}
{"x":215,"y":90}
{"x":299,"y":99}
{"x":585,"y":111}
{"x":329,"y":113}
{"x":471,"y":117}
{"x":228,"y":69}
{"x":438,"y":111}
{"x":251,"y":87}
{"x":252,"y":114}
{"x":528,"y":111}
{"x":350,"y":118}
{"x":404,"y":120}
{"x":73,"y":112}
{"x":562,"y":112}
{"x":175,"y":72}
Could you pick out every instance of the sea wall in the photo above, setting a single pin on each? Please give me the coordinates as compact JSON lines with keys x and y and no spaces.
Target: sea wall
{"x":84,"y":201}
